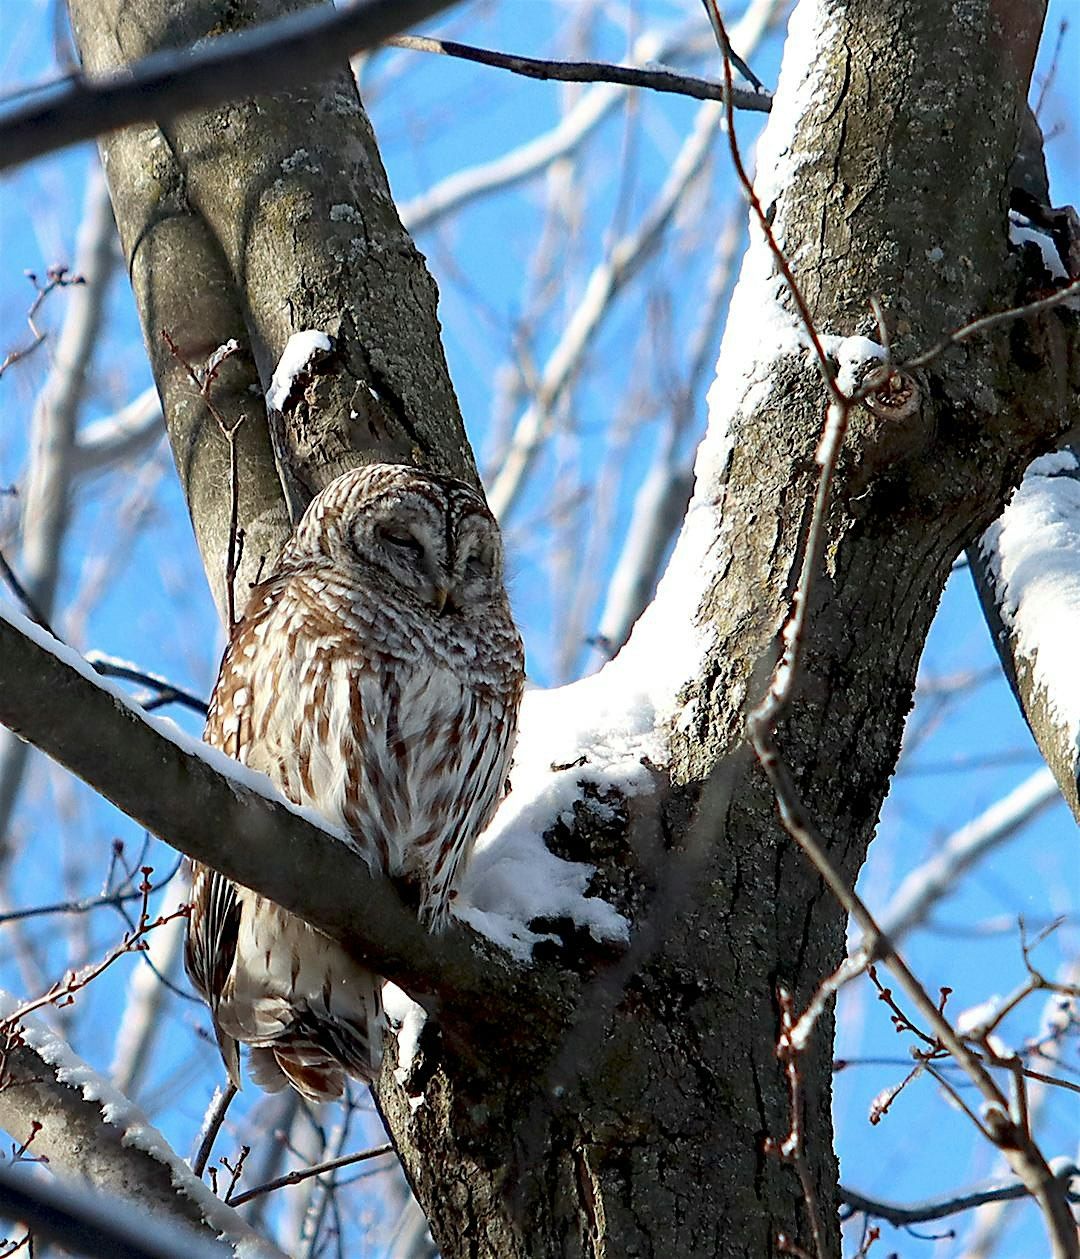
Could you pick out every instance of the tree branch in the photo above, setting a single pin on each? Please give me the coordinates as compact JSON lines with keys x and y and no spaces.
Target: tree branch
{"x":940,"y":1208}
{"x":591,"y":72}
{"x":84,"y":1223}
{"x":200,"y":803}
{"x":281,"y":54}
{"x":90,"y":1132}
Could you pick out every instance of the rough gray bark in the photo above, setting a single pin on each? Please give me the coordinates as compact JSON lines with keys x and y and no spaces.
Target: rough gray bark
{"x":651,"y":1143}
{"x":253,"y":221}
{"x":628,"y":1117}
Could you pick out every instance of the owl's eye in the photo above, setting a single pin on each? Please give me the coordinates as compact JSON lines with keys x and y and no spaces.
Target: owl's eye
{"x":401,"y":539}
{"x":477,"y":566}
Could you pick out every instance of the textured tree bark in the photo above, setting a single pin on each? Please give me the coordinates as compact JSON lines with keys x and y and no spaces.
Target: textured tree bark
{"x":636,"y":1126}
{"x":253,"y":221}
{"x":643,"y":1134}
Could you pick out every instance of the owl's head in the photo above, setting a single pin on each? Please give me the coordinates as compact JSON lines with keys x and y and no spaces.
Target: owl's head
{"x":431,"y":536}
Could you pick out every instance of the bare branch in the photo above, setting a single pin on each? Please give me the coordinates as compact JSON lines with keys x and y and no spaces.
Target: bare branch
{"x":47,"y":500}
{"x":284,"y":53}
{"x":591,"y":72}
{"x":178,"y":789}
{"x":536,"y":155}
{"x":940,"y":1208}
{"x":305,"y":1173}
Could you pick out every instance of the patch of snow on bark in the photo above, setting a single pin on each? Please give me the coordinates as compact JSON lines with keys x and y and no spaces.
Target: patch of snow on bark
{"x":298,"y":353}
{"x":1033,"y":551}
{"x":617,"y":719}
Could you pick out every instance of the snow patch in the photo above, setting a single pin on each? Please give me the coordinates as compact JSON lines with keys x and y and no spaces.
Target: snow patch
{"x":407,"y":1020}
{"x":300,"y":349}
{"x":596,"y":731}
{"x":978,"y":1016}
{"x":1022,"y":232}
{"x":1033,"y":551}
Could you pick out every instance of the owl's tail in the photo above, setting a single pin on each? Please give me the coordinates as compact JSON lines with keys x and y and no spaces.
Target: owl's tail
{"x":230,"y":1055}
{"x":315,"y":1054}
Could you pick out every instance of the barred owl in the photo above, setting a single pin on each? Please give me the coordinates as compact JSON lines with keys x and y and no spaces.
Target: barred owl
{"x":374,"y":676}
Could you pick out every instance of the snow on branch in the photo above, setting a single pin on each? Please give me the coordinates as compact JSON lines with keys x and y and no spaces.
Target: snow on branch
{"x":191,"y":796}
{"x":1027,"y":565}
{"x":88,"y":1129}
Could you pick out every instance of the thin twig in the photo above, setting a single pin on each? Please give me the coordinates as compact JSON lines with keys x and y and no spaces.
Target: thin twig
{"x":593,"y":72}
{"x":110,"y":900}
{"x":940,"y":1208}
{"x":23,"y":595}
{"x":712,"y":12}
{"x":992,"y":321}
{"x":294,"y":1178}
{"x":55,"y":277}
{"x":211,"y":1126}
{"x":791,"y":1149}
{"x":203,"y":379}
{"x":62,"y":992}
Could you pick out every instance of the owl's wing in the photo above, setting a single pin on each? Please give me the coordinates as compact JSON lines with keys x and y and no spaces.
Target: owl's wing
{"x":210,"y":947}
{"x":214,"y":923}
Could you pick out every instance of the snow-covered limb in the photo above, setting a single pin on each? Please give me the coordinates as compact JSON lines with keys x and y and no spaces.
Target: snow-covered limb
{"x":1027,"y":569}
{"x":192,"y":796}
{"x":91,"y":1131}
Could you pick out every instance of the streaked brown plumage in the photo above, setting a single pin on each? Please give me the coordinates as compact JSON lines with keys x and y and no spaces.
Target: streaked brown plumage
{"x":375,"y":676}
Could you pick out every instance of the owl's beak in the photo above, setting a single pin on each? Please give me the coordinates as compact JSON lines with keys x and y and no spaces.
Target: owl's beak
{"x":439,"y":596}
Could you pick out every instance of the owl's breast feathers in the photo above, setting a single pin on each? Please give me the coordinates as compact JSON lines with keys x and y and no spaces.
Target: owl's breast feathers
{"x":395,"y":727}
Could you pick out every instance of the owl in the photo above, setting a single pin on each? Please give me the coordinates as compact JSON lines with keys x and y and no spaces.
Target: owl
{"x":375,"y":676}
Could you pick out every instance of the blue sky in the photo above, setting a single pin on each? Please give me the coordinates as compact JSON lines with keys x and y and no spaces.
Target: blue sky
{"x":132,"y":577}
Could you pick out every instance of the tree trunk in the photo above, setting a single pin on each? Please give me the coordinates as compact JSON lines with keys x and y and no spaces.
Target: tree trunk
{"x":637,"y":1124}
{"x":253,"y":221}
